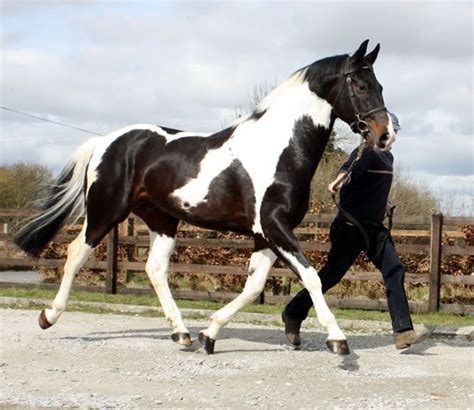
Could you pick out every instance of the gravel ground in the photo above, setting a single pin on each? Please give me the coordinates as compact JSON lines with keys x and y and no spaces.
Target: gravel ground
{"x":99,"y":361}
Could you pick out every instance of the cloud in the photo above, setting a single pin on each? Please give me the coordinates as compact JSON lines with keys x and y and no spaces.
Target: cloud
{"x":447,"y":154}
{"x":102,"y":65}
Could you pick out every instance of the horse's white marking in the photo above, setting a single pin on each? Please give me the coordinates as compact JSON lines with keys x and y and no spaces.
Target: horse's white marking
{"x":77,"y":253}
{"x":183,"y":134}
{"x":104,"y":142}
{"x":258,"y":145}
{"x":214,"y":162}
{"x":260,"y":264}
{"x":161,"y":248}
{"x":312,"y":282}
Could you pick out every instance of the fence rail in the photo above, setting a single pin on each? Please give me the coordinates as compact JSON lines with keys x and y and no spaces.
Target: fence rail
{"x":427,"y":229}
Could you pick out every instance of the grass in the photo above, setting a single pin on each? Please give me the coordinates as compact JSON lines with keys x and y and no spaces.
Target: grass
{"x":438,"y":318}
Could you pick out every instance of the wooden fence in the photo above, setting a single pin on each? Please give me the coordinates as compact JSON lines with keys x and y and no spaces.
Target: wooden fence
{"x":426,"y":231}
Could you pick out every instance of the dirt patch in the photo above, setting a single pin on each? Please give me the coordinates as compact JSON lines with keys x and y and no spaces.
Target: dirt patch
{"x":88,"y":360}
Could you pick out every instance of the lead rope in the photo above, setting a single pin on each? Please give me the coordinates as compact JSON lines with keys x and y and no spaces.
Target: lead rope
{"x":343,"y":212}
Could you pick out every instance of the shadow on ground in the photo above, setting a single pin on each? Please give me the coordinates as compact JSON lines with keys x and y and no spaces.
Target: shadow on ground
{"x":270,"y":339}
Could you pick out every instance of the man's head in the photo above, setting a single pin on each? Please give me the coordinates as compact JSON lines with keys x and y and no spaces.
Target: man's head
{"x":394,"y":124}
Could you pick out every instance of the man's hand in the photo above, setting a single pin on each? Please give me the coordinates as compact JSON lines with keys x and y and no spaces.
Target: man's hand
{"x":335,"y":185}
{"x":389,"y":209}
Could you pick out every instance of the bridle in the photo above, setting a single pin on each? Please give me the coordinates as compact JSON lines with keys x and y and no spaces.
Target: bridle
{"x":359,"y":125}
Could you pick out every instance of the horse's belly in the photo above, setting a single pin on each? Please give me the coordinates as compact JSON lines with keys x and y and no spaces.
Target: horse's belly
{"x":229,"y":203}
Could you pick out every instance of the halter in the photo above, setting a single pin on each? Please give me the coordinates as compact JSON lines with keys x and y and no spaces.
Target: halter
{"x":359,"y":126}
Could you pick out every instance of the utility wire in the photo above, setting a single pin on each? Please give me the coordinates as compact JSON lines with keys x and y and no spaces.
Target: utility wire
{"x":46,"y":120}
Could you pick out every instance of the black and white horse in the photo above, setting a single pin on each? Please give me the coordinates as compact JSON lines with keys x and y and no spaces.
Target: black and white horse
{"x":251,"y":178}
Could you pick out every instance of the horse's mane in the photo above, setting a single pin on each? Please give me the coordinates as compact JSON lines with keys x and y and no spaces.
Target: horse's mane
{"x":316,"y":71}
{"x":324,"y":68}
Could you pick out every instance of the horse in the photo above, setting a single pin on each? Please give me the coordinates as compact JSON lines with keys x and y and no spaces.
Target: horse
{"x":251,"y":178}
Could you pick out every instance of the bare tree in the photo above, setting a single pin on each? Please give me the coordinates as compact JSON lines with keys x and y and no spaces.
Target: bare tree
{"x":22,"y":184}
{"x":260,"y":91}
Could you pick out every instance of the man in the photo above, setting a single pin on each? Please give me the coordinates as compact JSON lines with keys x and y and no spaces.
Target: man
{"x":364,"y":195}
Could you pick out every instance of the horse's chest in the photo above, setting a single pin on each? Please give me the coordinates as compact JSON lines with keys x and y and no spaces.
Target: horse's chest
{"x":250,"y":163}
{"x":244,"y":158}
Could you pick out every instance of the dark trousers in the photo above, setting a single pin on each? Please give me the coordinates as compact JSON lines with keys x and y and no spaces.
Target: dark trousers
{"x":346,"y":244}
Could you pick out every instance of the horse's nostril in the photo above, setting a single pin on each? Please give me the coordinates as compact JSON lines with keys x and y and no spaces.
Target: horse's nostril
{"x":384,"y":137}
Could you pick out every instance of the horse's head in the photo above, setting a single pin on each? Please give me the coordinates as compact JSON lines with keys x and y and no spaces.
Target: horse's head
{"x":356,"y":97}
{"x":360,"y":103}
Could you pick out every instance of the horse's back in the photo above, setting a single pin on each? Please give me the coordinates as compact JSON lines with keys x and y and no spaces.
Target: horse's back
{"x":216,"y":197}
{"x":133,"y":150}
{"x":149,"y":164}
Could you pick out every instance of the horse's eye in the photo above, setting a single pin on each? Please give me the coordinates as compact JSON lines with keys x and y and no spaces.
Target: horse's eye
{"x":363,"y":126}
{"x":362,"y":88}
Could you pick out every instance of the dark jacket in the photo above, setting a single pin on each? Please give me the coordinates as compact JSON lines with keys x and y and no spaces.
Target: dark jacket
{"x":365,"y":196}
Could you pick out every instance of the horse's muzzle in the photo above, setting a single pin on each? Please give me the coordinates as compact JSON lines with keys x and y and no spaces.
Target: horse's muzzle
{"x":384,"y":139}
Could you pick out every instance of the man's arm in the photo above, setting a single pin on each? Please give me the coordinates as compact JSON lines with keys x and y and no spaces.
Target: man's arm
{"x":349,"y":161}
{"x":361,"y":165}
{"x":338,"y":182}
{"x":342,"y":177}
{"x":389,"y":208}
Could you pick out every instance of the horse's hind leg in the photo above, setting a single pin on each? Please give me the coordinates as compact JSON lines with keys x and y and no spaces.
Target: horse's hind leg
{"x":261,"y":261}
{"x":101,"y":218}
{"x":77,"y":253}
{"x":162,"y":243}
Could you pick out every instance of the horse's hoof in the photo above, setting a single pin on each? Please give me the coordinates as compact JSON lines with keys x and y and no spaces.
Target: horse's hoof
{"x":183,"y":339}
{"x":338,"y":346}
{"x":292,"y":329}
{"x":43,"y":322}
{"x":207,"y":343}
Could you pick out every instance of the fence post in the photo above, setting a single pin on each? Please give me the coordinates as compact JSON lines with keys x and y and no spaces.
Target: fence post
{"x":286,"y":286}
{"x":435,"y":262}
{"x":112,"y":255}
{"x":130,"y":250}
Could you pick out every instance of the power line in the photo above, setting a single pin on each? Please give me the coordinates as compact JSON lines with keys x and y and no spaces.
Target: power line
{"x":46,"y":120}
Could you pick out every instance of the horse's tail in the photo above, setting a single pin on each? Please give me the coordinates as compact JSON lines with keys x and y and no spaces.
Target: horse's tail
{"x":64,"y":203}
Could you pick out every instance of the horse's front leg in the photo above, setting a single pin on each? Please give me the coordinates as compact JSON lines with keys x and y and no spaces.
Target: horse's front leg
{"x":260,"y":263}
{"x":280,"y":235}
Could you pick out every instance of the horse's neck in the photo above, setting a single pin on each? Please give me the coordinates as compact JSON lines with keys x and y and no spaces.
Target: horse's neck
{"x":288,"y":112}
{"x":291,"y":101}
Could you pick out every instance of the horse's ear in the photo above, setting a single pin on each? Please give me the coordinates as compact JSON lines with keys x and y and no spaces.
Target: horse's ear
{"x":372,"y":56}
{"x":360,"y":53}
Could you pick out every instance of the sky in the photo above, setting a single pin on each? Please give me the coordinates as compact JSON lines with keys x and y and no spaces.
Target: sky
{"x":102,"y":65}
